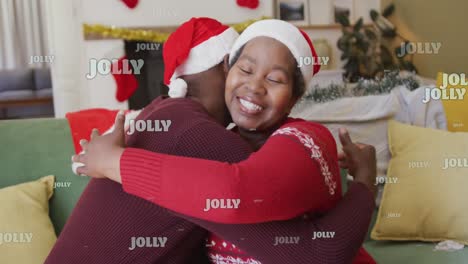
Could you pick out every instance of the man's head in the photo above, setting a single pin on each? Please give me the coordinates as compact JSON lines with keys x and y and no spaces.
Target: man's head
{"x":193,"y":59}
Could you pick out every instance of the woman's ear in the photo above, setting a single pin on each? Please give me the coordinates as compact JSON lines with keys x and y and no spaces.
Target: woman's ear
{"x":226,"y":64}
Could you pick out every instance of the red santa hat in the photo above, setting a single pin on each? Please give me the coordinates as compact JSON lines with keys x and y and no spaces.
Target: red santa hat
{"x":297,"y":41}
{"x":196,"y":46}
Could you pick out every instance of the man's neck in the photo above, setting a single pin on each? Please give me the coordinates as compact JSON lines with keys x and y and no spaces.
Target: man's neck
{"x":221,"y":118}
{"x":256,"y":139}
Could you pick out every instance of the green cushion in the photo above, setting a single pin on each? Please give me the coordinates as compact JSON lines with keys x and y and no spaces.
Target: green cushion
{"x":410,"y":252}
{"x":344,"y":180}
{"x":387,"y":252}
{"x":32,"y":148}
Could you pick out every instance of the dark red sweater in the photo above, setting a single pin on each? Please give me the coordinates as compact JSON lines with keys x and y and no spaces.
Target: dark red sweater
{"x":295,"y":171}
{"x":193,"y":133}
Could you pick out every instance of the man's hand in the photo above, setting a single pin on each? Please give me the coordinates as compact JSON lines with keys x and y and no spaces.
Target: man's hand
{"x":101,"y":157}
{"x":360,"y":160}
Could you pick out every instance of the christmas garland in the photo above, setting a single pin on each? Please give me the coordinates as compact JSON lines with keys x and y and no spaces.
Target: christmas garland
{"x":142,"y":34}
{"x":363,"y":87}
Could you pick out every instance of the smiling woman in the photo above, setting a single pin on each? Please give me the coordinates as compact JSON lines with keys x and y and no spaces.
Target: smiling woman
{"x":260,"y":89}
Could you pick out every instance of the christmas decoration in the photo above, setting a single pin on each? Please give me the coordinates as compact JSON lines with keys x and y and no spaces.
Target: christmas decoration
{"x":144,"y":35}
{"x":252,"y":4}
{"x":130,"y":3}
{"x":126,"y":82}
{"x":363,"y":87}
{"x":186,"y":49}
{"x":124,"y":33}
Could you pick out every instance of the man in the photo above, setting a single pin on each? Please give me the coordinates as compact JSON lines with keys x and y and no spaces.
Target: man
{"x":195,"y":132}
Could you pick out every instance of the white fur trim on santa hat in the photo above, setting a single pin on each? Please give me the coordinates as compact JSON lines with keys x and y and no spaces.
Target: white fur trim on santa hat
{"x":177,"y":88}
{"x":205,"y":55}
{"x":283,"y":32}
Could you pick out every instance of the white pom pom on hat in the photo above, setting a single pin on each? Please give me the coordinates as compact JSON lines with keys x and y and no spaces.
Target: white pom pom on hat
{"x":196,"y":46}
{"x":177,"y":88}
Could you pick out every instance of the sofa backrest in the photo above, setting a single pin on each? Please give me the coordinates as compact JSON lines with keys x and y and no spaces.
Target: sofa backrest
{"x":25,"y":79}
{"x":14,"y":80}
{"x":32,"y":148}
{"x":42,"y":78}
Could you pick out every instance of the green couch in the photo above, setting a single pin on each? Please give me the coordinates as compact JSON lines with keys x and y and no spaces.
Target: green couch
{"x":33,"y":148}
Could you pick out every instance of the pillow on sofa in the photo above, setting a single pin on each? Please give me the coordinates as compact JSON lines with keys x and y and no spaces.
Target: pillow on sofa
{"x":456,"y":111}
{"x":426,"y":197}
{"x":26,"y":232}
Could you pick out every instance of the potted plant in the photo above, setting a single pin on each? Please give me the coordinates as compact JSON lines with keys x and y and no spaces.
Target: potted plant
{"x":368,"y":50}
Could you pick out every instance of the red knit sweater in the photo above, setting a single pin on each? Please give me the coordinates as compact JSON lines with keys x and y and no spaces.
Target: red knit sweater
{"x":281,"y":194}
{"x":294,"y":172}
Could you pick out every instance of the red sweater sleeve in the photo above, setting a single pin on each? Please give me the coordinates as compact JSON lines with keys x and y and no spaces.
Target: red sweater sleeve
{"x":292,"y":173}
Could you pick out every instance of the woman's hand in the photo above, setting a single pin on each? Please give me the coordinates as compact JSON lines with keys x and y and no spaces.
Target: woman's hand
{"x":101,"y":157}
{"x":360,"y":160}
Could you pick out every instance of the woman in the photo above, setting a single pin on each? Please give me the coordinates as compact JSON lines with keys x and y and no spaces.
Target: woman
{"x":263,"y":84}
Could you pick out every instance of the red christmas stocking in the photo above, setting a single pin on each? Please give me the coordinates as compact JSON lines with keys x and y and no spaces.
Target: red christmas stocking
{"x":130,"y":3}
{"x":126,"y":82}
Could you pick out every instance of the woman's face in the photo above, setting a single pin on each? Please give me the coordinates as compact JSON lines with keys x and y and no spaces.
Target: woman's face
{"x":259,"y":85}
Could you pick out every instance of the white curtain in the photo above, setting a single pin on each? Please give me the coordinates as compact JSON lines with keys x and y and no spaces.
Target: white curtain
{"x":22,"y":33}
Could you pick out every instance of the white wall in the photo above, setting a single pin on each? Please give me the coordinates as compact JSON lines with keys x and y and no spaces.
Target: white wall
{"x":66,"y":44}
{"x":169,"y":12}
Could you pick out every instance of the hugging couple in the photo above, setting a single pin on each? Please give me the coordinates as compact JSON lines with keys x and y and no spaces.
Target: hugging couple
{"x":267,"y":191}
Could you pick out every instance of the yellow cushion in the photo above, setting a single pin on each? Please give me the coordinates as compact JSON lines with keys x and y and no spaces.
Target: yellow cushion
{"x":422,"y":200}
{"x":456,"y":111}
{"x":26,"y":231}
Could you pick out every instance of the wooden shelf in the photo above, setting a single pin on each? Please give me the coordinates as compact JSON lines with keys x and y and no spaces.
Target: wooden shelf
{"x":25,"y":102}
{"x":330,"y":26}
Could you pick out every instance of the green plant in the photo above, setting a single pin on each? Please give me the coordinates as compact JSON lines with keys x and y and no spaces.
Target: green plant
{"x":368,"y":50}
